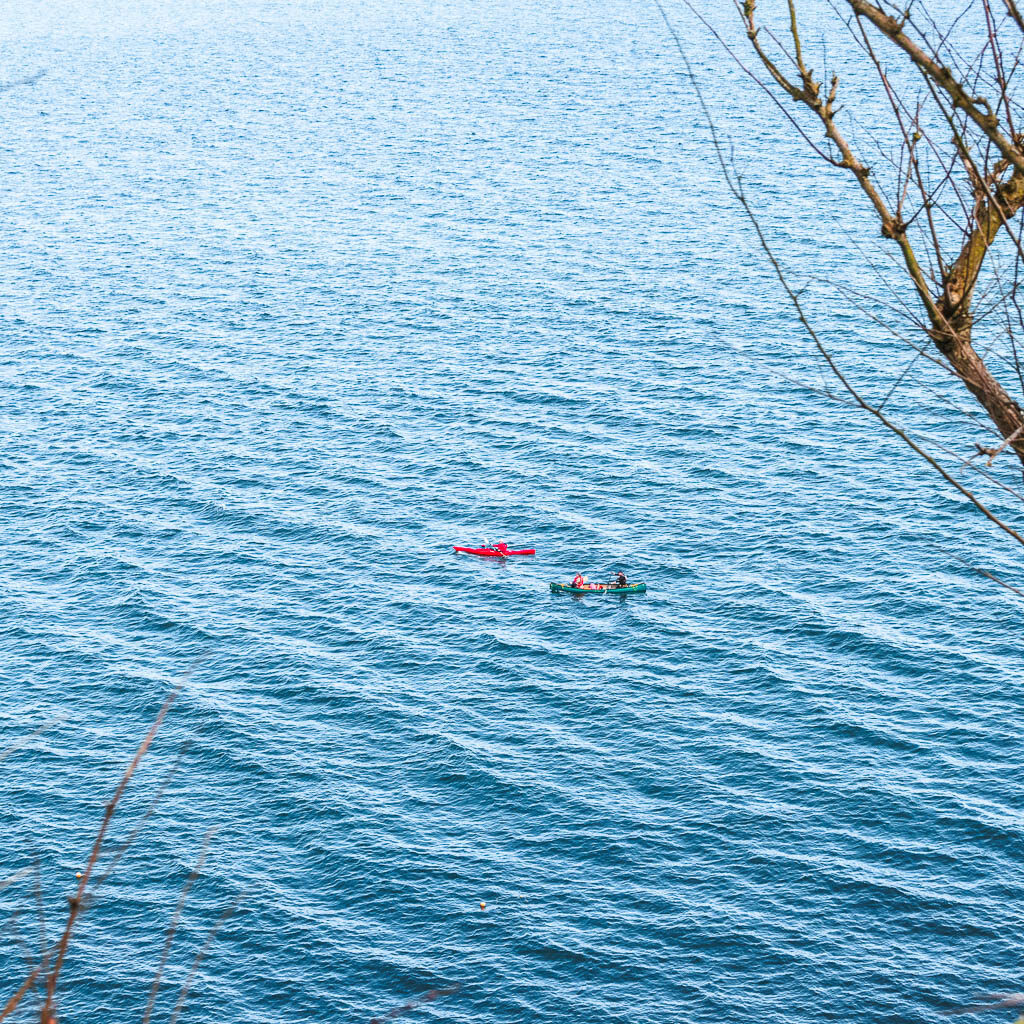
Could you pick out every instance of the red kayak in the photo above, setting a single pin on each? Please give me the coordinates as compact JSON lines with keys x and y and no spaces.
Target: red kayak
{"x":497,"y":551}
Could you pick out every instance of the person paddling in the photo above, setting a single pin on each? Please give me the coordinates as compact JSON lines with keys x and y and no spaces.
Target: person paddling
{"x":578,"y":581}
{"x":620,"y":579}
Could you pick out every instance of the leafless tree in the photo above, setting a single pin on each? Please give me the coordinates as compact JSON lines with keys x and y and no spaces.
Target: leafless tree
{"x":941,"y":178}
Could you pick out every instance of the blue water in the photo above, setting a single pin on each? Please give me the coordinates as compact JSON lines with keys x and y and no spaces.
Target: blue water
{"x":295,"y":297}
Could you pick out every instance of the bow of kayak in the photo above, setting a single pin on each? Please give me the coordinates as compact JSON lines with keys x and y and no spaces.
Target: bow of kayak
{"x":598,"y":588}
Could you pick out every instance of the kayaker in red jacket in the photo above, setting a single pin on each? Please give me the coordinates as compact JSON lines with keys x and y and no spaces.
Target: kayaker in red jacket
{"x":578,"y":581}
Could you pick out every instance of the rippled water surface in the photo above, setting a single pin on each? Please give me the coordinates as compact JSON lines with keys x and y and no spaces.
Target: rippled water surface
{"x":296,"y":296}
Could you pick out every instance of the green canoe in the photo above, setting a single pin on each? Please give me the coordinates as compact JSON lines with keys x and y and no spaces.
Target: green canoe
{"x":565,"y":588}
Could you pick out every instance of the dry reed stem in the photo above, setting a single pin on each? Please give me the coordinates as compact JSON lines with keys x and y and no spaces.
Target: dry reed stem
{"x":201,"y":956}
{"x":19,"y":743}
{"x":48,"y":1015}
{"x":427,"y":997}
{"x":12,"y":1003}
{"x":16,"y":877}
{"x":134,"y":834}
{"x":172,"y":928}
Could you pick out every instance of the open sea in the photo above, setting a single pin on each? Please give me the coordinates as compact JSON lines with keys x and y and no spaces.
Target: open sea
{"x":294,"y":297}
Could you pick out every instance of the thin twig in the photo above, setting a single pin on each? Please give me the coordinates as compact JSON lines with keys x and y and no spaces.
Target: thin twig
{"x":981,"y":572}
{"x":19,"y":743}
{"x":200,"y":956}
{"x":147,"y":814}
{"x":427,"y":997}
{"x":76,"y":901}
{"x":172,"y":928}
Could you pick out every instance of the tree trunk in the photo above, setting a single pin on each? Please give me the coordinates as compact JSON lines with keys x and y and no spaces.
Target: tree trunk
{"x":1005,"y":413}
